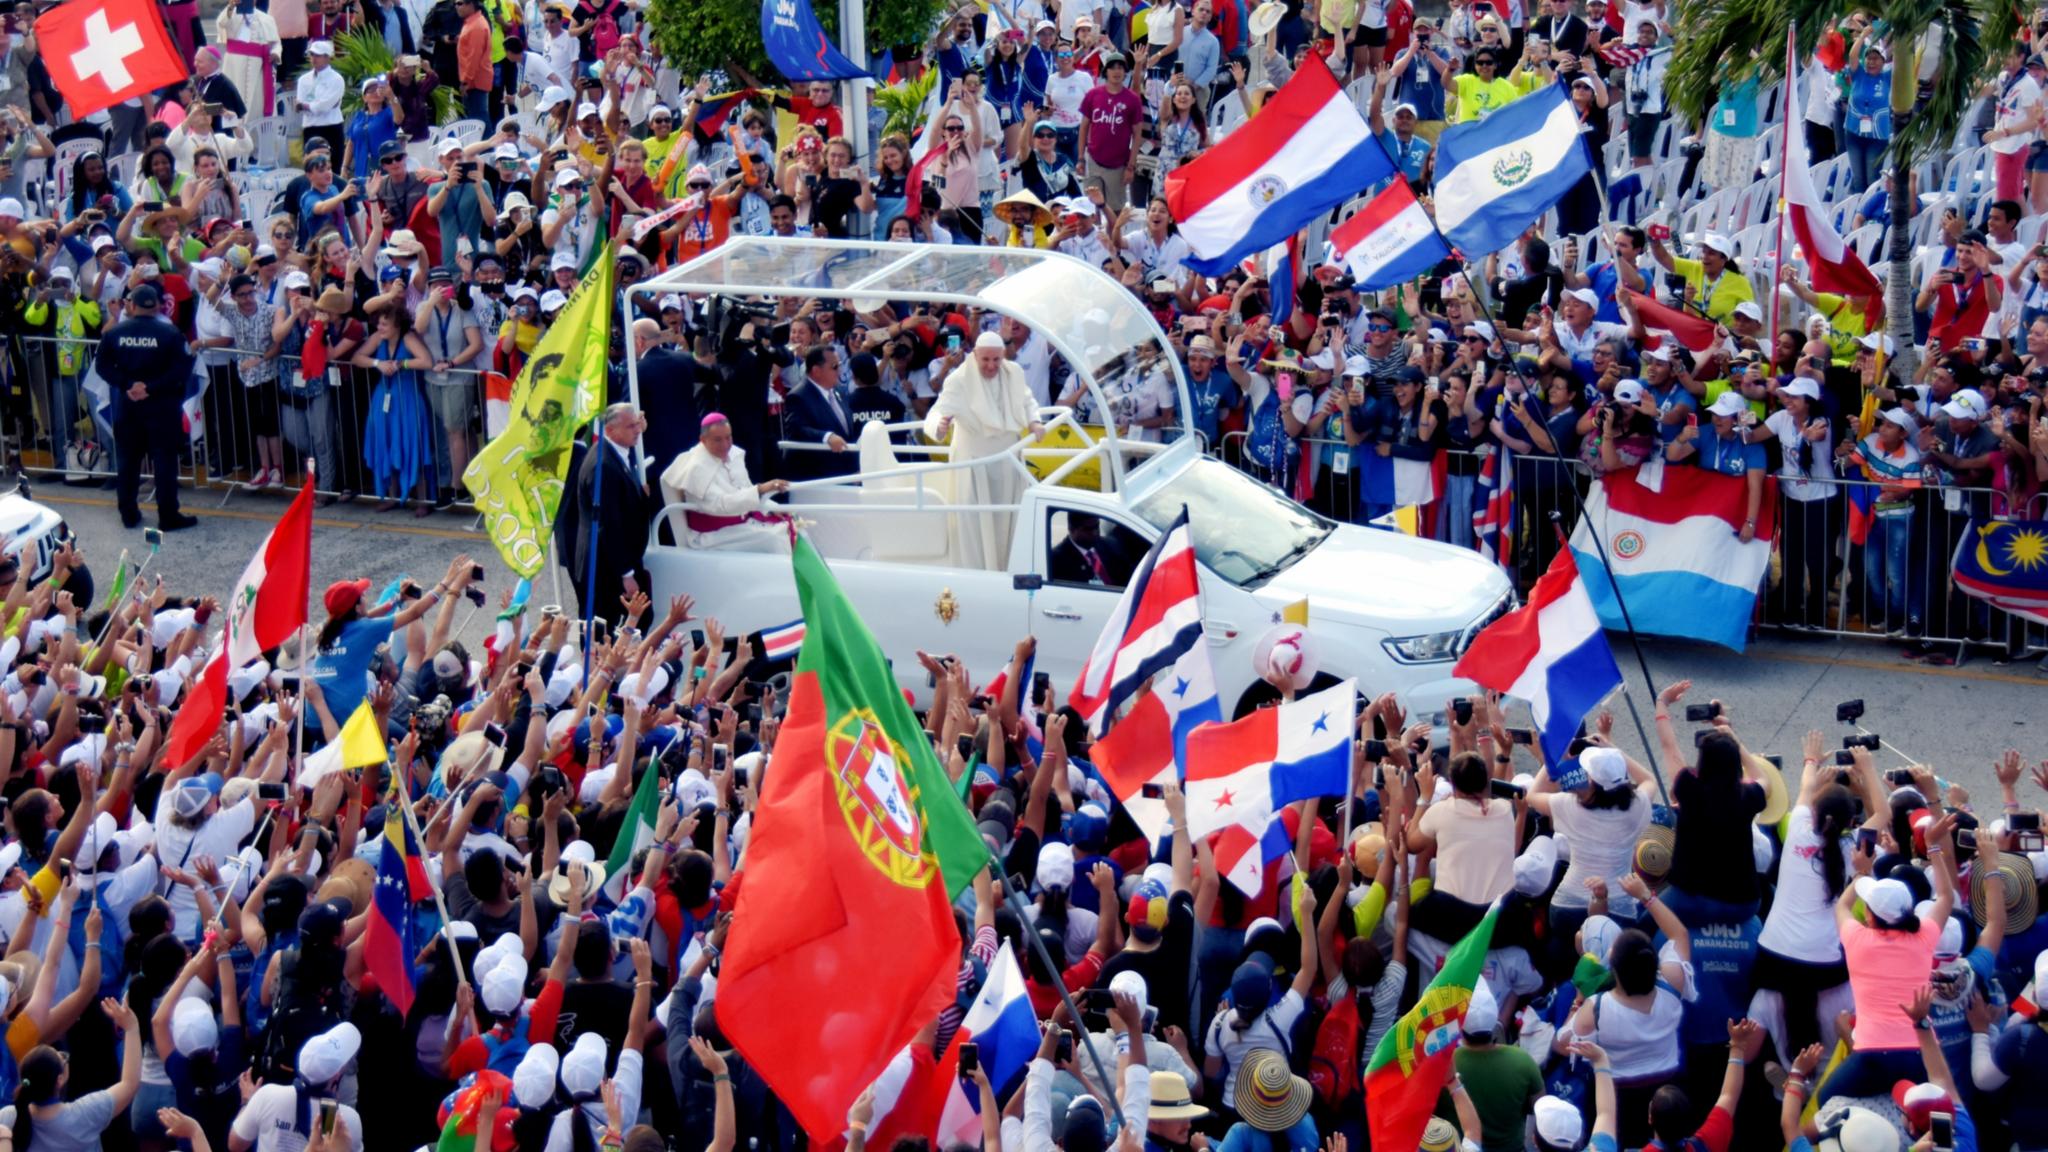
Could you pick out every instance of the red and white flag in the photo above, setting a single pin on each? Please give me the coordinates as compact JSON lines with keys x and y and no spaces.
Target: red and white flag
{"x":1833,"y":266}
{"x":101,"y":52}
{"x":268,"y":605}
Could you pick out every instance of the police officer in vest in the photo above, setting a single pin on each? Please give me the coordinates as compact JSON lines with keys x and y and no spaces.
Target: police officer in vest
{"x":147,"y":364}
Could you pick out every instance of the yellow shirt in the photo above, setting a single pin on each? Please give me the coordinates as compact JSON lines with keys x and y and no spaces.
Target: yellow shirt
{"x":1719,"y":298}
{"x":1478,"y":97}
{"x":1846,"y":322}
{"x":658,"y":150}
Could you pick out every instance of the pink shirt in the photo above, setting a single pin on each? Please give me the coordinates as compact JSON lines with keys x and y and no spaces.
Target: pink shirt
{"x":1885,"y":970}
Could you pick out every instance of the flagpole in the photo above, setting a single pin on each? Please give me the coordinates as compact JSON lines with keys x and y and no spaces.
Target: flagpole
{"x":1081,"y":1034}
{"x":134,"y":582}
{"x":412,"y":822}
{"x":1635,"y":641}
{"x":1784,"y":185}
{"x":596,"y":465}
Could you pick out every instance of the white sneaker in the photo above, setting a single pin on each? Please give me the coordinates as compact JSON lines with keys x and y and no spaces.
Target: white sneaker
{"x":276,"y":478}
{"x":74,"y":468}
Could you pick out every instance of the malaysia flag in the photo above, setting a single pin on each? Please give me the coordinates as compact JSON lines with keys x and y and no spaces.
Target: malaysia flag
{"x":1550,"y":652}
{"x":1311,"y":151}
{"x":1390,"y":241}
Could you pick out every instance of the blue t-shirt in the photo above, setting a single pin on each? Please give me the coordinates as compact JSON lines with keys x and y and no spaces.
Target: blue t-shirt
{"x":1412,"y":156}
{"x":1420,"y":84}
{"x":1730,"y":456}
{"x":1245,"y":1138}
{"x":1675,"y":397}
{"x":343,"y":667}
{"x":368,"y":134}
{"x":1211,"y":396}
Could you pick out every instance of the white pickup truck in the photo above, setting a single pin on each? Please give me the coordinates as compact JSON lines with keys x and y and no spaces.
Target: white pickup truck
{"x":1392,"y":611}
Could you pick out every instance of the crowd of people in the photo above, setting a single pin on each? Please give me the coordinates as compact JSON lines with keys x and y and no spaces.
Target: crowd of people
{"x":1716,"y":952}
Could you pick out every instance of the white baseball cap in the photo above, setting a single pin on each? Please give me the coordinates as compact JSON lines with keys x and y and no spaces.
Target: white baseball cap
{"x":1801,"y":386}
{"x":1889,"y":900}
{"x":1626,"y":392}
{"x":568,"y":176}
{"x":552,"y":299}
{"x":1605,"y":767}
{"x":1585,"y":296}
{"x":1749,"y":311}
{"x":320,"y":48}
{"x":1718,"y":243}
{"x":1558,"y":1124}
{"x":505,"y":152}
{"x":555,"y":94}
{"x":585,"y":110}
{"x":12,"y":208}
{"x":1728,"y":403}
{"x":1872,"y":342}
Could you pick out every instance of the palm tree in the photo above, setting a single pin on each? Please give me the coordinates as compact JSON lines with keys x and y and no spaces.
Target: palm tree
{"x":1721,"y":42}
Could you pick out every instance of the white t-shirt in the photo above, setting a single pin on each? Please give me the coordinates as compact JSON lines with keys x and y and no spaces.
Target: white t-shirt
{"x":218,"y":837}
{"x":1603,"y":844}
{"x":1160,"y":258}
{"x":1800,"y":484}
{"x":271,"y":1114}
{"x":1065,"y":93}
{"x":1270,"y":1030}
{"x":2014,"y":105}
{"x":1801,"y":925}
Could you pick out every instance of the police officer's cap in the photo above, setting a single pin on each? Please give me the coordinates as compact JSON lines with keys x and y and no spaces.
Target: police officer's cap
{"x":145,"y":298}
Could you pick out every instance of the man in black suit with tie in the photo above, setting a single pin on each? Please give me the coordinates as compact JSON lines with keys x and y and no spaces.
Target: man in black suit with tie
{"x":816,"y":413}
{"x":614,"y":507}
{"x":668,"y":393}
{"x":1086,"y":556}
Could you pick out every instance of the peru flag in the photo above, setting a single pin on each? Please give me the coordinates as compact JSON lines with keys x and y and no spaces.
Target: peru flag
{"x":1834,"y":266}
{"x":267,"y":605}
{"x":1550,"y":652}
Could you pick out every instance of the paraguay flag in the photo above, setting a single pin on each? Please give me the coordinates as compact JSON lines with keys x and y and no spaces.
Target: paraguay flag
{"x":401,"y":880}
{"x":1280,"y":265}
{"x":1311,"y":152}
{"x":1389,"y":241}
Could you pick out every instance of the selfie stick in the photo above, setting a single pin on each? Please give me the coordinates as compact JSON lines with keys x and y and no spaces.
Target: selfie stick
{"x":1081,"y":1035}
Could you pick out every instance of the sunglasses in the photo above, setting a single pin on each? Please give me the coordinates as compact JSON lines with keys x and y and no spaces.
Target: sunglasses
{"x":394,"y":160}
{"x":1379,"y":328}
{"x":954,"y":128}
{"x":700,"y":186}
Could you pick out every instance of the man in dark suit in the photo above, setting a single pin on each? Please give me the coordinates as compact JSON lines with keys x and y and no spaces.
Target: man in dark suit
{"x":668,"y":393}
{"x":147,"y":364}
{"x":1086,"y":556}
{"x":816,"y":413}
{"x":613,"y":510}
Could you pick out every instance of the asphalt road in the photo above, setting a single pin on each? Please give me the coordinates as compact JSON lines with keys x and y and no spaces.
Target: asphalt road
{"x":1956,"y":719}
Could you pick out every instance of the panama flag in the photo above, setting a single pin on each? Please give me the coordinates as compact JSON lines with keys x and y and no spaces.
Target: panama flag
{"x":1495,"y":177}
{"x":1550,"y":652}
{"x":1677,"y":554}
{"x":1833,"y":265}
{"x":1390,"y":241}
{"x":1155,"y":635}
{"x":1240,"y":774}
{"x":267,"y":605}
{"x":1310,"y":153}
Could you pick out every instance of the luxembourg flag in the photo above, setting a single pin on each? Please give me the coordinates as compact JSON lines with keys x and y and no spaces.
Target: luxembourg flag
{"x":1390,"y":241}
{"x":1495,"y":177}
{"x":782,"y":643}
{"x":1550,"y":652}
{"x":1677,"y":554}
{"x":1311,"y":151}
{"x":1240,"y":774}
{"x":1835,"y":266}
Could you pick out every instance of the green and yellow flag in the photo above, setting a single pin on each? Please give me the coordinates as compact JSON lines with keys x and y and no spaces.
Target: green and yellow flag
{"x":518,"y":478}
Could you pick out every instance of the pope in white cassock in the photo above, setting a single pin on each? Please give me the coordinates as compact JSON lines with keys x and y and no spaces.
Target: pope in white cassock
{"x":985,"y":406}
{"x":727,"y":509}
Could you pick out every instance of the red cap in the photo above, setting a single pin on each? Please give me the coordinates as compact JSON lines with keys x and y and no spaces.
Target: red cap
{"x":1918,"y":1101}
{"x":343,"y":595}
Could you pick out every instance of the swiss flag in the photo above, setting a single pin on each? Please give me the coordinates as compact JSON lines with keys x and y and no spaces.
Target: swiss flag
{"x":101,"y":52}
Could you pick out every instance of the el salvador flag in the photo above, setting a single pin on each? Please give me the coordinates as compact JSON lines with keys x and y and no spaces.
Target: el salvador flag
{"x":1495,"y":176}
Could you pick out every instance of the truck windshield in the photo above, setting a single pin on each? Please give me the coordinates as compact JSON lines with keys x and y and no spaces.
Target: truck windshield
{"x":1244,"y":531}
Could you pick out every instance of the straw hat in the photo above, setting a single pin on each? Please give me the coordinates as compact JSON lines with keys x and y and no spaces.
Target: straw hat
{"x":1269,"y":1097}
{"x":2022,"y":894}
{"x":1777,"y":801}
{"x":353,"y":880}
{"x":1040,"y":214}
{"x":1171,"y":1099}
{"x":1653,"y":854}
{"x":1288,"y":360}
{"x":558,"y":884}
{"x":334,"y":301}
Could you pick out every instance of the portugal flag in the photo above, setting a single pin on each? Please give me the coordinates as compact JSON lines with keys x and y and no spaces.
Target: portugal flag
{"x":860,"y":840}
{"x":1413,"y":1061}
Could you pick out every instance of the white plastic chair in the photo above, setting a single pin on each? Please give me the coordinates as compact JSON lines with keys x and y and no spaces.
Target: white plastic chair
{"x":467,"y":131}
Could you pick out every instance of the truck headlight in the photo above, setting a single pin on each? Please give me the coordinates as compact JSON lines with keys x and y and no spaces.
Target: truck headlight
{"x":1431,"y":648}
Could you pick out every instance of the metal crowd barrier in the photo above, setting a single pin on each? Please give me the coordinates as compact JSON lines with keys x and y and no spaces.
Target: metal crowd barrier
{"x":1819,"y":580}
{"x":330,"y":428}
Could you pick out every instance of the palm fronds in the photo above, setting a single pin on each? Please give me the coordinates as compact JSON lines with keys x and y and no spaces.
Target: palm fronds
{"x":361,"y":54}
{"x":903,"y":103}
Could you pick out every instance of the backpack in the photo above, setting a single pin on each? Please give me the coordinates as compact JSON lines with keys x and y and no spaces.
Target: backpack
{"x":604,"y":30}
{"x":1333,"y":1058}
